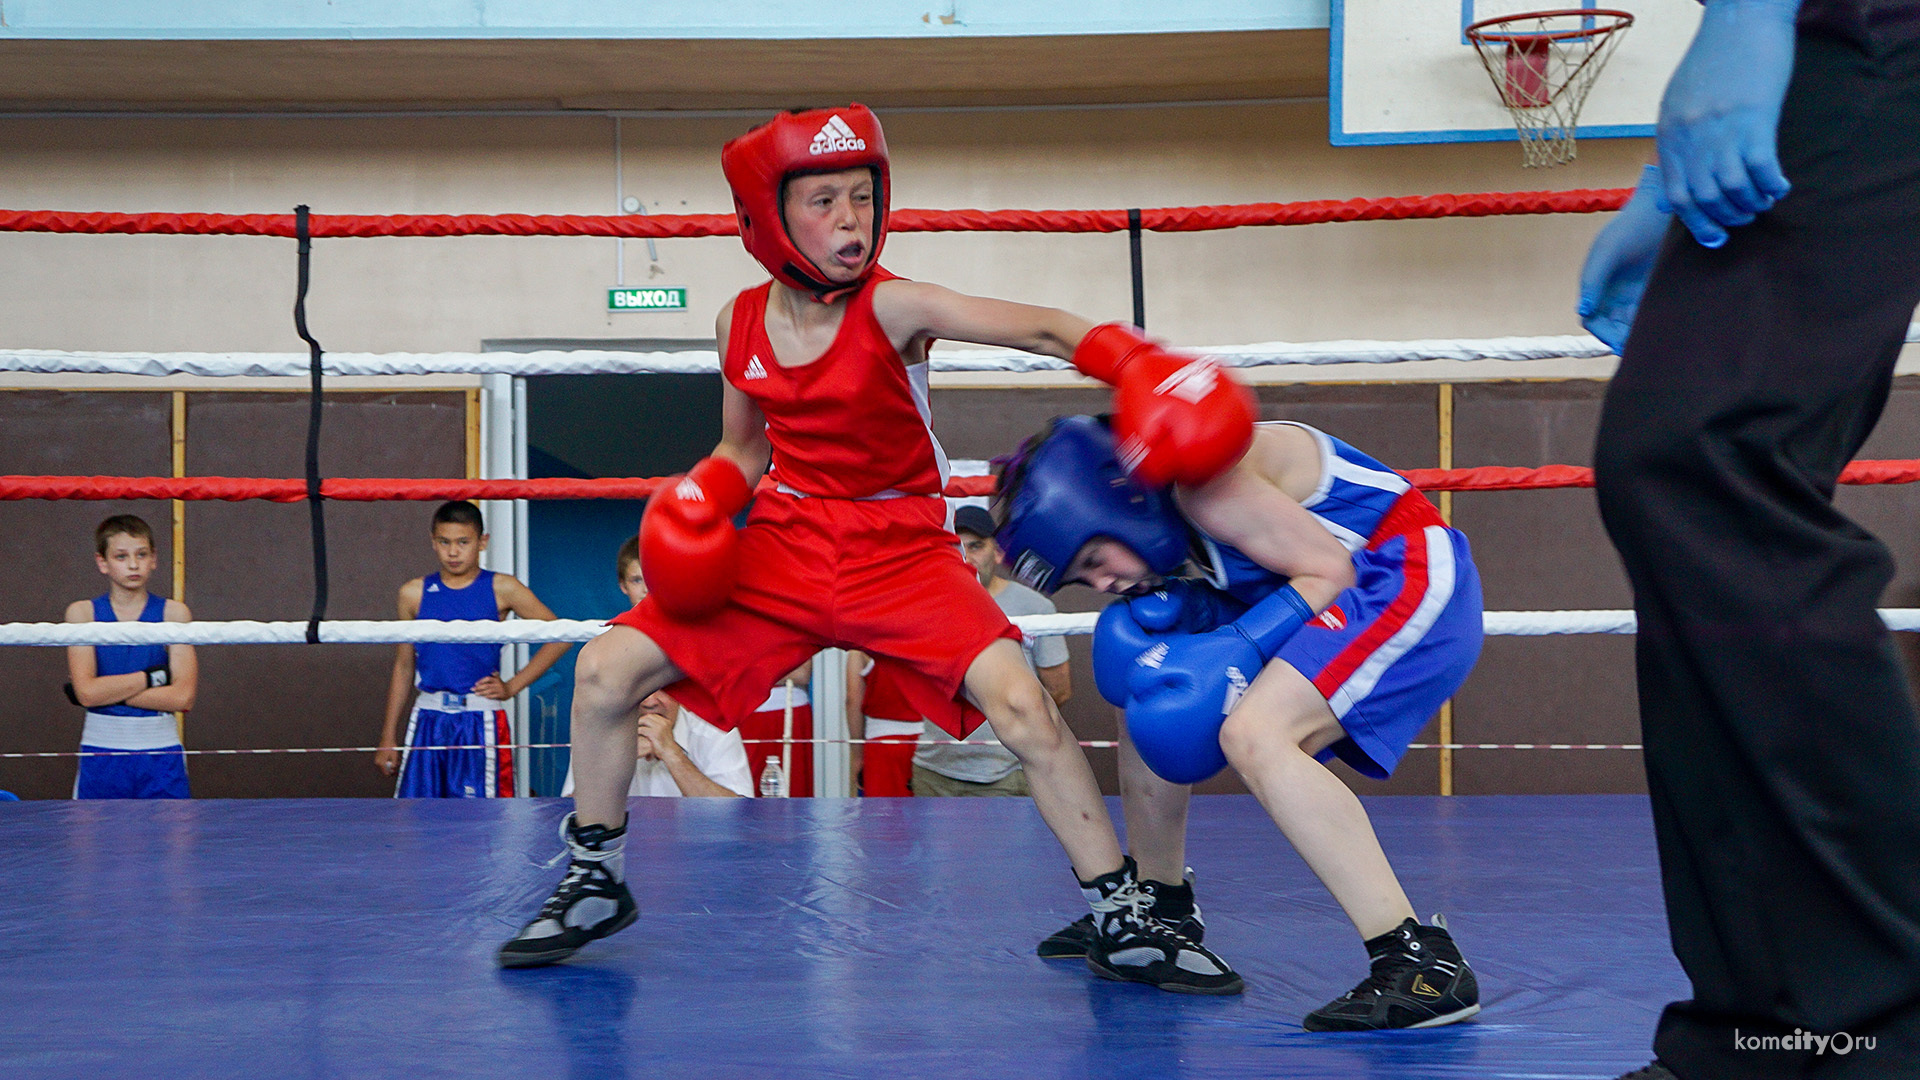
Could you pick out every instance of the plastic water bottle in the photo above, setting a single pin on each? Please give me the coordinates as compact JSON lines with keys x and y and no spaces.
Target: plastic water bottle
{"x":773,"y":782}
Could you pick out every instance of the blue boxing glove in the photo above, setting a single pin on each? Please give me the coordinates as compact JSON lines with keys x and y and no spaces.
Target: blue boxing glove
{"x":1186,"y":607}
{"x":1184,"y":687}
{"x":1720,"y":117}
{"x":1118,"y":637}
{"x":1130,"y":627}
{"x":1620,"y":261}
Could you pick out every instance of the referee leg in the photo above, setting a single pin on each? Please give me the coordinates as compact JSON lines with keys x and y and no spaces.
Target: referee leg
{"x":1783,"y":750}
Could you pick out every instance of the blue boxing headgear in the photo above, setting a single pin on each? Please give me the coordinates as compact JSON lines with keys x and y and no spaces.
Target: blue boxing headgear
{"x":1070,"y":490}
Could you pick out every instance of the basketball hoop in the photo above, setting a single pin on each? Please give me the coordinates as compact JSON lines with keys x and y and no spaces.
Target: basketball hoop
{"x":1543,"y":63}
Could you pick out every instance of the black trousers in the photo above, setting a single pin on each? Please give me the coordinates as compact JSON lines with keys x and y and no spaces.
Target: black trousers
{"x":1782,"y":748}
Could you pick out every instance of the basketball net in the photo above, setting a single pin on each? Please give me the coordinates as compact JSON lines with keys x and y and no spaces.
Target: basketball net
{"x":1543,"y":63}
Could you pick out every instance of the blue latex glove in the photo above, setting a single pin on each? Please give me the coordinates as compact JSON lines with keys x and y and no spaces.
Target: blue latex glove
{"x":1620,"y":261}
{"x":1720,"y":117}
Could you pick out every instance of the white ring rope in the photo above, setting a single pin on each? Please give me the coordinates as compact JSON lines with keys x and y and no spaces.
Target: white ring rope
{"x":536,"y":632}
{"x":592,"y":362}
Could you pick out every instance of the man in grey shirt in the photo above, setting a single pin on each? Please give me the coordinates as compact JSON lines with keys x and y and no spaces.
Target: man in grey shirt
{"x":977,"y":766}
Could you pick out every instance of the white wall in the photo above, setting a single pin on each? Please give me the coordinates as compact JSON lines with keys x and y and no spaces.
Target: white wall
{"x":1481,"y":277}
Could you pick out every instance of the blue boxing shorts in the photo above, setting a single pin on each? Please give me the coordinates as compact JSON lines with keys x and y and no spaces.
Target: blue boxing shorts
{"x":1393,"y":648}
{"x":482,"y":765}
{"x":159,"y":773}
{"x":136,"y":757}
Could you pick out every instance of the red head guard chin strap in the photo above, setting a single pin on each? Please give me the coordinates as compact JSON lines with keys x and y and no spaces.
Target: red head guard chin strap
{"x":759,"y":163}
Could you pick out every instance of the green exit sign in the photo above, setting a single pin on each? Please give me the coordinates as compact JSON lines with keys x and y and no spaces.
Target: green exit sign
{"x":659,"y":298}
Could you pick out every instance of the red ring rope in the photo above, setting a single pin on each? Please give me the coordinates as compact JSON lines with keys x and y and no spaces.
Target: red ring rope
{"x":367,"y":489}
{"x":661,"y":226}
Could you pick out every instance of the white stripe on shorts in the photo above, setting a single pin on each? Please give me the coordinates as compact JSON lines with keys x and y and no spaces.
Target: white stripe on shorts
{"x":1440,"y":584}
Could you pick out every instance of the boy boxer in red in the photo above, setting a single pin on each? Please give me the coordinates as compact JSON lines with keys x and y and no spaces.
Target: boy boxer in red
{"x":826,"y":390}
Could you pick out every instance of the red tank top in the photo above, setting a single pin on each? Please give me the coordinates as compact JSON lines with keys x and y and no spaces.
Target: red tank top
{"x":851,"y":425}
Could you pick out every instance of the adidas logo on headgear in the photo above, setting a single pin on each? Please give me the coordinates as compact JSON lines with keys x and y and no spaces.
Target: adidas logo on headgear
{"x":835,"y":137}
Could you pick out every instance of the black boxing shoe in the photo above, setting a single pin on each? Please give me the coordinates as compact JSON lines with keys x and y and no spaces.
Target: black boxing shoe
{"x":590,"y":902}
{"x":1070,"y":942}
{"x":1130,"y":945}
{"x":1175,"y":906}
{"x":1172,"y":904}
{"x":1418,"y":980}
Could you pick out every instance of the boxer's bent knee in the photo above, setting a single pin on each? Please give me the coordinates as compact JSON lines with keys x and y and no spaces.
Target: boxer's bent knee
{"x":1281,"y":711}
{"x":619,"y":668}
{"x":1022,"y":720}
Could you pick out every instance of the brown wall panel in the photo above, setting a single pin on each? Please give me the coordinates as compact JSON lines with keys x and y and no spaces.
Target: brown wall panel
{"x":1549,"y":690}
{"x":1537,"y":551}
{"x":252,"y":560}
{"x":47,"y":549}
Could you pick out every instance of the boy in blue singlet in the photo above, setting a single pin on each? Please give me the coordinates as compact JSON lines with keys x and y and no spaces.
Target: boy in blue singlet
{"x":456,"y":689}
{"x":1308,"y":603}
{"x":129,"y":691}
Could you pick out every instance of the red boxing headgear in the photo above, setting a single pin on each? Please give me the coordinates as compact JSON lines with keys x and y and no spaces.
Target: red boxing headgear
{"x":759,"y":163}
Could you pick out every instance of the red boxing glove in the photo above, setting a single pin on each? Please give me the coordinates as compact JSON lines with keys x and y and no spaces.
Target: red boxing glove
{"x":1177,"y":419}
{"x":687,"y":549}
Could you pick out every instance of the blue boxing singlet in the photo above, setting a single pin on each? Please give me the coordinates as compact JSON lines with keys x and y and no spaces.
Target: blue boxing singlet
{"x":1359,"y":500}
{"x":453,"y":669}
{"x":1399,"y":641}
{"x":126,"y":659}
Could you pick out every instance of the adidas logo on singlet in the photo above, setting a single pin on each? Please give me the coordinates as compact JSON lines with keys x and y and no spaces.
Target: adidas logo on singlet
{"x":755,"y":369}
{"x":435,"y":587}
{"x":835,"y":136}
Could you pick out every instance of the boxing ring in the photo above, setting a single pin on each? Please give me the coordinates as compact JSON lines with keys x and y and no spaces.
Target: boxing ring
{"x":801,"y":938}
{"x":783,"y":937}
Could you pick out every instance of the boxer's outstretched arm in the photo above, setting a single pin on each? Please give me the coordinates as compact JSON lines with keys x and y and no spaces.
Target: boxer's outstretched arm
{"x":910,"y":310}
{"x":1175,"y":418}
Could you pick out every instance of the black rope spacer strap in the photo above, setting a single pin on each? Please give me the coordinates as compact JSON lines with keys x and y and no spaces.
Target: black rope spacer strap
{"x":1139,"y":270}
{"x":315,"y":501}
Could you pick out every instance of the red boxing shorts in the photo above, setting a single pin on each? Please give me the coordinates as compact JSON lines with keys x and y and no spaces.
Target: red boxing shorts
{"x":880,"y":575}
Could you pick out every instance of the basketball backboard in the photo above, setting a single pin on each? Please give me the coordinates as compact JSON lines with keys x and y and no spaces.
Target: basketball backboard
{"x":1402,"y":71}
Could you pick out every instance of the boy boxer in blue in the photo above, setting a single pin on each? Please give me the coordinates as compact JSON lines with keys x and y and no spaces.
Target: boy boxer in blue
{"x":1331,"y":615}
{"x":460,"y":699}
{"x":130,"y":691}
